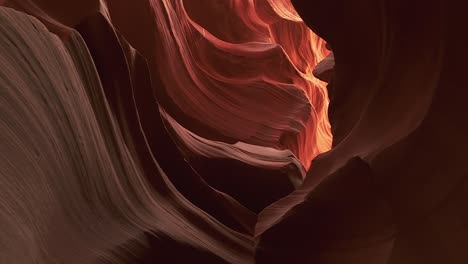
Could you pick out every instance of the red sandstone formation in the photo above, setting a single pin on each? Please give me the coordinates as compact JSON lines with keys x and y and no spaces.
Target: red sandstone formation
{"x":177,"y":131}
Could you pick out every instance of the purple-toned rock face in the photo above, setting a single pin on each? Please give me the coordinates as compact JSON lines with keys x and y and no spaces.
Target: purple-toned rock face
{"x":236,"y":131}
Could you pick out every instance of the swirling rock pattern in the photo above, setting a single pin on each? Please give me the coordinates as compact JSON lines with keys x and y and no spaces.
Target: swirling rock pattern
{"x":183,"y":131}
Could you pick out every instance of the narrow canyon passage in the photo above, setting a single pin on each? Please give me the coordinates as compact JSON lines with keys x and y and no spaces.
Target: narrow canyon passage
{"x":233,"y":131}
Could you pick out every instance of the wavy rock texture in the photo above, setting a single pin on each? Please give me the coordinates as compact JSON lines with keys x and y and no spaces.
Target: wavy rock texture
{"x":75,"y":191}
{"x":234,"y":83}
{"x":180,"y":131}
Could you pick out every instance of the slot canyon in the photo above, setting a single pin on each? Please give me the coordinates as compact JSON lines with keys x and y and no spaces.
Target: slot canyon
{"x":233,"y":131}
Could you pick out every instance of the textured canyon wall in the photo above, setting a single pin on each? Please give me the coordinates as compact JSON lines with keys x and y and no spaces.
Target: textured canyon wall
{"x":103,"y":103}
{"x":178,"y":131}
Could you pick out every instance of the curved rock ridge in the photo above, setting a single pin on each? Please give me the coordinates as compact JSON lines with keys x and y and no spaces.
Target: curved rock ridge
{"x":76,"y":188}
{"x":183,"y":131}
{"x":259,"y":90}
